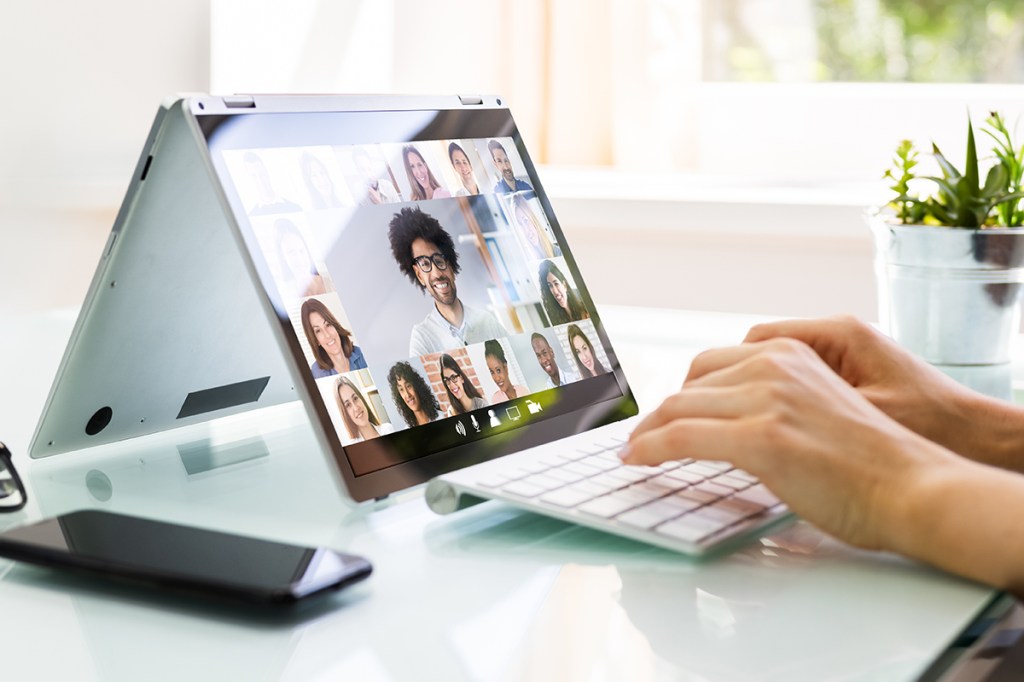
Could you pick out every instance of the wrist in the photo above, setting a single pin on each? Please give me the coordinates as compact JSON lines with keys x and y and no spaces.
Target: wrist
{"x":989,"y":430}
{"x":961,"y":516}
{"x":906,"y":516}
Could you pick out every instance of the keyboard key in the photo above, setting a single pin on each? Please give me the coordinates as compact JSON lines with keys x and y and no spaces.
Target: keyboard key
{"x":601,"y":463}
{"x":760,"y":495}
{"x":669,"y":465}
{"x":610,"y":455}
{"x":730,"y":481}
{"x":746,"y":476}
{"x":592,"y":449}
{"x":731,"y":510}
{"x":564,"y":475}
{"x":597,"y":487}
{"x":633,"y":473}
{"x":669,"y":484}
{"x":581,"y":468}
{"x":650,"y":515}
{"x":702,"y":468}
{"x":679,"y":502}
{"x":533,"y":467}
{"x":691,"y":527}
{"x":493,"y":480}
{"x":522,"y":489}
{"x":686,"y":476}
{"x":720,"y":466}
{"x":543,"y":481}
{"x":566,"y":497}
{"x":698,"y":496}
{"x":554,"y":460}
{"x":606,"y":479}
{"x":714,"y":489}
{"x":607,"y":506}
{"x":642,"y":492}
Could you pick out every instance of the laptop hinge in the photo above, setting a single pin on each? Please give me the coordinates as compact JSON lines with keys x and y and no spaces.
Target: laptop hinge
{"x":239,"y":102}
{"x":468,"y":100}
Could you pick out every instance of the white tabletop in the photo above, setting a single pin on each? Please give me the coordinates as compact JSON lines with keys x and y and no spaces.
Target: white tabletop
{"x":490,"y":593}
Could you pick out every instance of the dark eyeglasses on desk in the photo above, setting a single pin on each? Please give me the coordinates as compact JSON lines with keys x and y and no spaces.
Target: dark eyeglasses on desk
{"x":12,"y":491}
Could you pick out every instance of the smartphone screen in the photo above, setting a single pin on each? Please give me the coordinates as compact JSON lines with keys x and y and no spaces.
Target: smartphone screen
{"x":182,"y":557}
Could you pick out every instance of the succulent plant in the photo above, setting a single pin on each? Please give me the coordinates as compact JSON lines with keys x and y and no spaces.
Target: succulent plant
{"x":960,"y":199}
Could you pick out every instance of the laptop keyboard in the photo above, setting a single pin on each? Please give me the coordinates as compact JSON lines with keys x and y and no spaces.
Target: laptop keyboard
{"x":684,"y":500}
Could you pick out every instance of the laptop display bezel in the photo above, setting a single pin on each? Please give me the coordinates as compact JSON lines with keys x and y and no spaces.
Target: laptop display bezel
{"x":448,"y":118}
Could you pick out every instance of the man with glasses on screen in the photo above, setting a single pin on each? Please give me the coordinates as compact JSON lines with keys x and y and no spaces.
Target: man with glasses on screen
{"x":425,"y":253}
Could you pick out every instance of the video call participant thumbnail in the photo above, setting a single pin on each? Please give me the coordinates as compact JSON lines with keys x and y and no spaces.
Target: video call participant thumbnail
{"x":425,"y":253}
{"x":361,"y":423}
{"x":464,"y":169}
{"x":412,"y":395}
{"x":497,"y":365}
{"x":530,"y":227}
{"x":330,"y":342}
{"x":587,"y":362}
{"x":319,"y":185}
{"x":374,"y":188}
{"x":557,"y":376}
{"x":561,"y":302}
{"x":462,"y":395}
{"x":507,"y":180}
{"x":422,"y":182}
{"x":300,"y":276}
{"x":268,"y":200}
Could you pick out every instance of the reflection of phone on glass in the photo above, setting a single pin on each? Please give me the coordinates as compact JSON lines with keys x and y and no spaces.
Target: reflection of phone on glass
{"x":183,"y":558}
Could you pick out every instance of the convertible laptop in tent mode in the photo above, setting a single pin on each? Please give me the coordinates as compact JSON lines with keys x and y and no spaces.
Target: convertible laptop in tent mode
{"x":394,"y":264}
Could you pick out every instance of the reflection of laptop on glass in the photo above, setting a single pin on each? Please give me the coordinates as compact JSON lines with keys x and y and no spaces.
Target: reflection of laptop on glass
{"x":395,"y":264}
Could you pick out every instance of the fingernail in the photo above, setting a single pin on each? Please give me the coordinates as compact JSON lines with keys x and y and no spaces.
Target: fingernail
{"x":625,"y":452}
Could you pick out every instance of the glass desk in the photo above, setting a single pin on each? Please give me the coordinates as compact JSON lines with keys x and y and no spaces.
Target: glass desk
{"x":489,"y":593}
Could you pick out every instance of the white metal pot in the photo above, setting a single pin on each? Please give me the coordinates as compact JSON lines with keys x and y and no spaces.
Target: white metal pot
{"x":951,"y":295}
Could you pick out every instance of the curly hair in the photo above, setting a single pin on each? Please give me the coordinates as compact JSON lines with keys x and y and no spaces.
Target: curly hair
{"x":573,"y":331}
{"x":428,"y":403}
{"x":557,"y":313}
{"x":310,"y":306}
{"x":411,"y":224}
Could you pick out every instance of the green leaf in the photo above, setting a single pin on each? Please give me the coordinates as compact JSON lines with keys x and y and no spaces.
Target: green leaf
{"x":971,"y":165}
{"x":996,"y":181}
{"x":948,"y":169}
{"x":947,"y":189}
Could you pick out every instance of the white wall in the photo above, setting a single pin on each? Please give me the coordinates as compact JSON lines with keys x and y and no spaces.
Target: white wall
{"x":711,"y":244}
{"x":82,"y":82}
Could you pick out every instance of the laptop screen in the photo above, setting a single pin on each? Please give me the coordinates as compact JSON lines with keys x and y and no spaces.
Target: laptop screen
{"x":419,"y":271}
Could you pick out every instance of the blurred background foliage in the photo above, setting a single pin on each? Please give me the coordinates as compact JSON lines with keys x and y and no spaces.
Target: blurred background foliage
{"x":924,"y":41}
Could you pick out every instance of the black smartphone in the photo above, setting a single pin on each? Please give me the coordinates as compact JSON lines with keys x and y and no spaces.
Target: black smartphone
{"x":182,"y":558}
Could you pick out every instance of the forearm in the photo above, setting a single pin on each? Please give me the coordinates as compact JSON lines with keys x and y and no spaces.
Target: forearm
{"x":965,"y":518}
{"x":986,"y":430}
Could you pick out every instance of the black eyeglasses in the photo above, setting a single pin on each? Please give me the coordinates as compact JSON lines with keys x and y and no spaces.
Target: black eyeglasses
{"x":426,"y":264}
{"x":450,"y":379}
{"x":12,"y":491}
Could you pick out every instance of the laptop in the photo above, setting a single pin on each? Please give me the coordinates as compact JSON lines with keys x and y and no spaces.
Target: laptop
{"x":394,"y":264}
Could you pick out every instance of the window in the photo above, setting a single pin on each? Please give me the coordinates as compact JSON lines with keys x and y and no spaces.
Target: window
{"x":801,"y":91}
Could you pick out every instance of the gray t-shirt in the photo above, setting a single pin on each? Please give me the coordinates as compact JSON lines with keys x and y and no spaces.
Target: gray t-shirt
{"x":435,"y":334}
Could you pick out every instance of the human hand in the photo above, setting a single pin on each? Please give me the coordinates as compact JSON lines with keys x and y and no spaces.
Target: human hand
{"x":902,"y":385}
{"x":775,"y":409}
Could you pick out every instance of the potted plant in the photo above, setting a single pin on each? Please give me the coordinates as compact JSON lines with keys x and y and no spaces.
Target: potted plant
{"x":950,"y":259}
